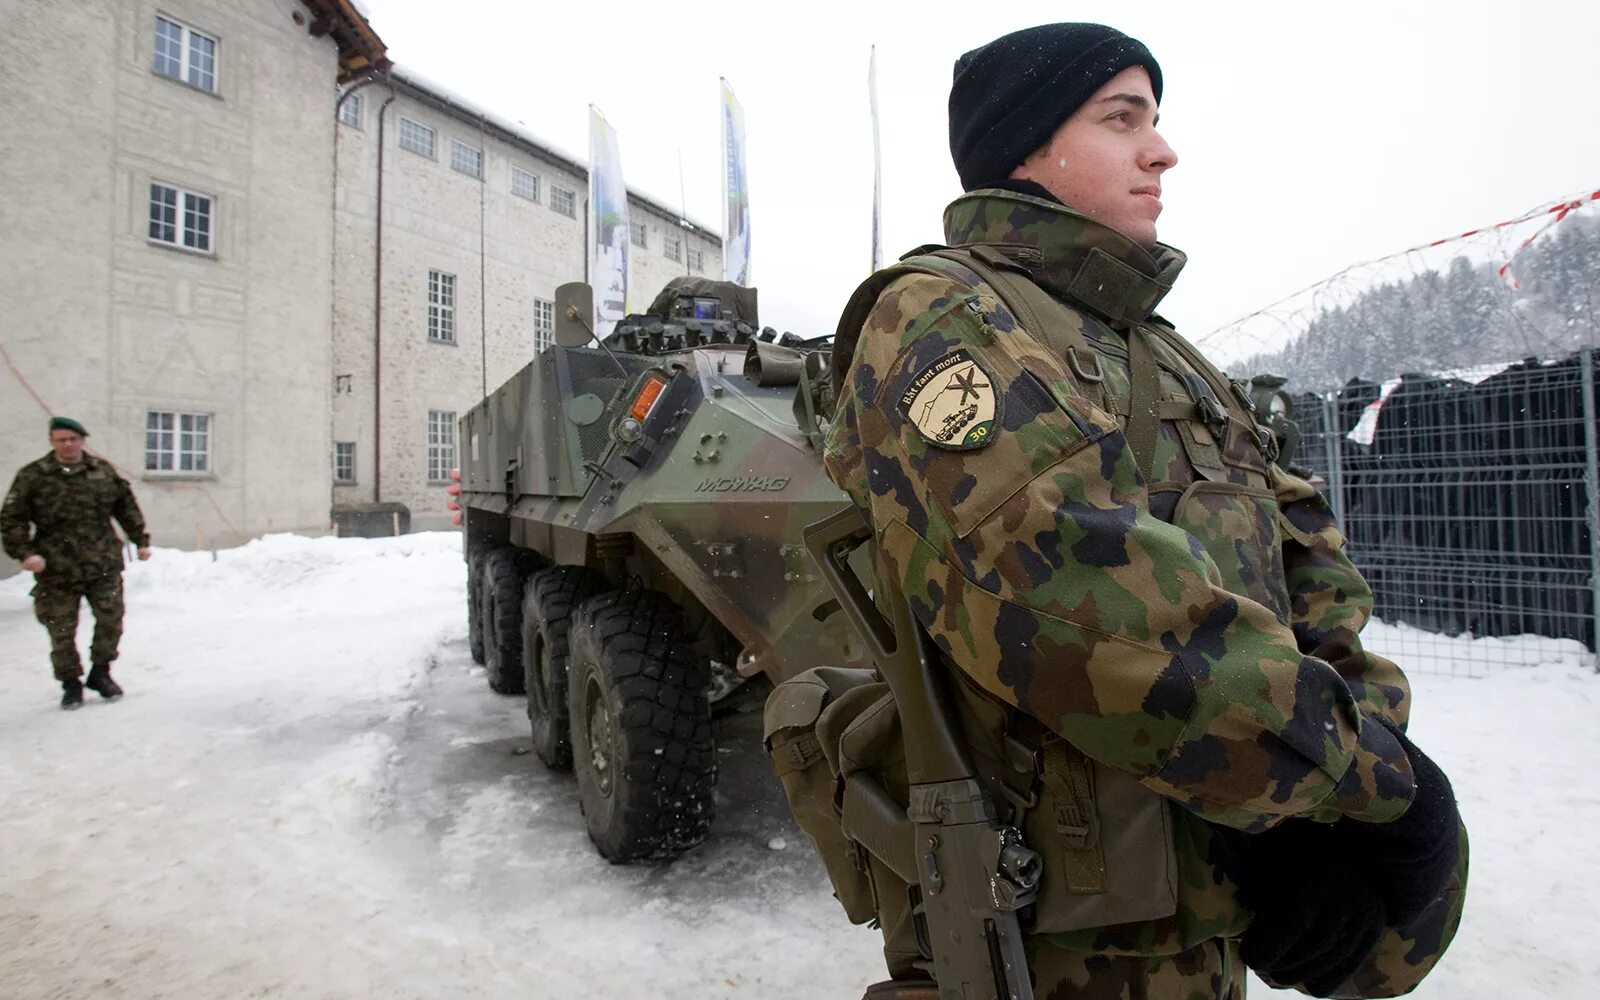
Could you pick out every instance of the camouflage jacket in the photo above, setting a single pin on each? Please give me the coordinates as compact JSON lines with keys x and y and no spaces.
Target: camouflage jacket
{"x":66,"y":518}
{"x":1120,"y":611}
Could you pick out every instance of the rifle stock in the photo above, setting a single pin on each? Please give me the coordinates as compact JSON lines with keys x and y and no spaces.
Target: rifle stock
{"x":974,"y":872}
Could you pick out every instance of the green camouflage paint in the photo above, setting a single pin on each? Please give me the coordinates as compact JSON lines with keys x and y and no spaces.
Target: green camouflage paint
{"x":64,"y":516}
{"x":1198,"y":630}
{"x":715,"y":505}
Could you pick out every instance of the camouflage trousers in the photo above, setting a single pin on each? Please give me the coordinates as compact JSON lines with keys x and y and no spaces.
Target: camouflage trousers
{"x":55,"y":604}
{"x":1211,"y":970}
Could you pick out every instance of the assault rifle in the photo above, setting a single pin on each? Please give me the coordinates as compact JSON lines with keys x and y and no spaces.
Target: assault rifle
{"x":972,"y":873}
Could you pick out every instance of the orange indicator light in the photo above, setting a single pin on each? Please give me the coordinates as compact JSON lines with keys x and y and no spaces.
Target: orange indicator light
{"x":646,"y":400}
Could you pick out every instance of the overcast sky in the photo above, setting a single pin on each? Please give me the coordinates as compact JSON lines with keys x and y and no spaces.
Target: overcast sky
{"x":1310,"y":136}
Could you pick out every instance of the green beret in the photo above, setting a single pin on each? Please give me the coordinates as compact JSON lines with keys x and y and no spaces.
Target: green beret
{"x":67,"y":424}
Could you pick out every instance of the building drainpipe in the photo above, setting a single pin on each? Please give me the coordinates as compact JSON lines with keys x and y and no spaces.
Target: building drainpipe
{"x":338,"y":109}
{"x":483,"y":260}
{"x":377,"y":322}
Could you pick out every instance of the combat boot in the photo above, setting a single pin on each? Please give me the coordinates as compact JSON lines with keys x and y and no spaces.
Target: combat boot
{"x":71,"y":695}
{"x":100,"y":680}
{"x":903,"y":989}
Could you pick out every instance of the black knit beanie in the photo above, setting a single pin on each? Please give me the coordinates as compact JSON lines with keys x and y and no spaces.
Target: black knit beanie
{"x":1009,"y":96}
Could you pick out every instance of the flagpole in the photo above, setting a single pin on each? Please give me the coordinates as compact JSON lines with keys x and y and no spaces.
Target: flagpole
{"x":877,"y":161}
{"x":722,"y":128}
{"x":683,"y":211}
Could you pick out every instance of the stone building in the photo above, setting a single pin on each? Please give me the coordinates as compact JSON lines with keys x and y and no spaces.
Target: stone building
{"x":449,"y":290}
{"x":166,"y":240}
{"x":196,"y":266}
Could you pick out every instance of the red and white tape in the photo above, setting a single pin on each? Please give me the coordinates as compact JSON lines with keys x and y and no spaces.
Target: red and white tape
{"x":1558,"y":210}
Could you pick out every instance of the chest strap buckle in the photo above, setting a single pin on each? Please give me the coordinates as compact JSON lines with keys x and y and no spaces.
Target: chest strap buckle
{"x":1242,"y":393}
{"x":1095,"y":375}
{"x":1213,"y":413}
{"x":1269,"y":444}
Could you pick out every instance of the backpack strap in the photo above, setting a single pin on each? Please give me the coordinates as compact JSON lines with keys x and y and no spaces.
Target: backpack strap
{"x":859,"y":307}
{"x":1052,"y":322}
{"x":1144,"y":402}
{"x":1048,"y":320}
{"x":1042,"y":316}
{"x":1234,"y":398}
{"x":1058,"y":328}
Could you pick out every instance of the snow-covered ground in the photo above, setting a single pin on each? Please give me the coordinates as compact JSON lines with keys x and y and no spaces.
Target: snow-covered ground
{"x":310,"y":792}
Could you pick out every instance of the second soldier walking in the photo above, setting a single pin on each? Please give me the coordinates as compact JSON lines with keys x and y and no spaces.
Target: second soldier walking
{"x":56,"y":521}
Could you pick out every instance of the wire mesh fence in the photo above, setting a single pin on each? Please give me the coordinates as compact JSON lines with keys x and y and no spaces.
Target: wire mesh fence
{"x":1469,"y":505}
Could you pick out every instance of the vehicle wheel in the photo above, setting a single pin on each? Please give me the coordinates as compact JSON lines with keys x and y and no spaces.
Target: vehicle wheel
{"x":641,"y":728}
{"x":500,"y":589}
{"x":547,"y":605}
{"x":474,"y":606}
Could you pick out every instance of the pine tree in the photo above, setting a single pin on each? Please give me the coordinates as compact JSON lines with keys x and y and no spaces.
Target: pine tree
{"x":1467,"y":317}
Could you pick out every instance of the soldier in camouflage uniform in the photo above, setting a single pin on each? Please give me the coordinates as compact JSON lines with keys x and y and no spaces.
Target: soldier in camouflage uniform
{"x":56,"y":521}
{"x":1093,"y":530}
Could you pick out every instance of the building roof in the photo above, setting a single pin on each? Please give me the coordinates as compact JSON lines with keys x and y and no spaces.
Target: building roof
{"x":442,"y":98}
{"x":361,"y":51}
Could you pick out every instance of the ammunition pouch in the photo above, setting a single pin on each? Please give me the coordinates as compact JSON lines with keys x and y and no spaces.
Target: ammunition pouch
{"x":1106,"y":840}
{"x":800,"y":724}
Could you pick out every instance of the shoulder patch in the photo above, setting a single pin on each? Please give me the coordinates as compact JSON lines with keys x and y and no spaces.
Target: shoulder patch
{"x":952,"y":402}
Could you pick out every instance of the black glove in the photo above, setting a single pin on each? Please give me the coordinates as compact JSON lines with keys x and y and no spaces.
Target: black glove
{"x":1415,"y":855}
{"x":1323,"y":893}
{"x":1318,"y":912}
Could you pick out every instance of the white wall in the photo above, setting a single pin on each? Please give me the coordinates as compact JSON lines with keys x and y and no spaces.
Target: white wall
{"x":504,"y":250}
{"x":105,"y":324}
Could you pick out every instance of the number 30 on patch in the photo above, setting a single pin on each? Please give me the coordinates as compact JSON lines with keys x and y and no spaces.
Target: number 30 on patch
{"x":952,"y":403}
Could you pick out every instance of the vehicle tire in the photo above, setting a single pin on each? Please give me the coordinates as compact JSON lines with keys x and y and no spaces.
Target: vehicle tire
{"x":547,"y":605}
{"x":500,"y":590}
{"x":474,"y":606}
{"x":641,"y":728}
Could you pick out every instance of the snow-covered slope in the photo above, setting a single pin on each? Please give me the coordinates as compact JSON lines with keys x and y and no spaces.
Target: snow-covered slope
{"x":309,"y":791}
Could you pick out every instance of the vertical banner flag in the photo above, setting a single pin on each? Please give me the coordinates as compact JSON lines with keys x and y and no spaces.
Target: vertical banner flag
{"x":608,"y":226}
{"x":736,"y":201}
{"x":877,"y":160}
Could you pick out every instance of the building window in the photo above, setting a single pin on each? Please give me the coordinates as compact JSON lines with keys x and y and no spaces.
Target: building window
{"x":697,"y":260}
{"x":441,"y":445}
{"x":177,"y":442}
{"x":350,"y":111}
{"x":524,"y":184}
{"x":441,"y":307}
{"x":416,"y":137}
{"x":344,"y":461}
{"x":180,"y":218}
{"x":563,"y":201}
{"x":544,"y":324}
{"x":636,"y":231}
{"x":185,"y":54}
{"x":465,"y":158}
{"x":672,"y":247}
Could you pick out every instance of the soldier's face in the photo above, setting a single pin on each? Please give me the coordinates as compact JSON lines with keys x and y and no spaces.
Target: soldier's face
{"x":1106,"y":161}
{"x":67,"y":445}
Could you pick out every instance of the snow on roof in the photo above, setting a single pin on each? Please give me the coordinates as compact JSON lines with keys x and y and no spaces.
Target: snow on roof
{"x":1479,"y":373}
{"x":464,"y":107}
{"x":1366,"y":429}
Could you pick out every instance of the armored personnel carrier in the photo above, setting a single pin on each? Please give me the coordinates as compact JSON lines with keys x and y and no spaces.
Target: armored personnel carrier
{"x":633,"y":515}
{"x":633,"y":511}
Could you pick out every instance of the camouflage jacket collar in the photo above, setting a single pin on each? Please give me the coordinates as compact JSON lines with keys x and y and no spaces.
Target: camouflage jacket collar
{"x":1070,"y":256}
{"x":48,"y":463}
